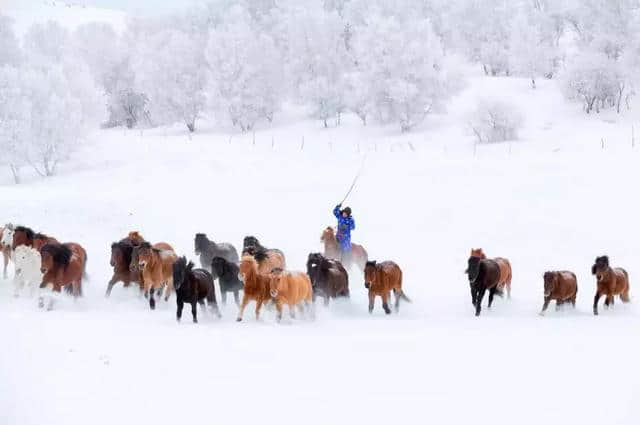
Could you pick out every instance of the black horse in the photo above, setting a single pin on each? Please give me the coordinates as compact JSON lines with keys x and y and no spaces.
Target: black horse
{"x":227,"y":274}
{"x":483,"y":274}
{"x":193,"y":286}
{"x":252,"y":246}
{"x":208,"y":249}
{"x":329,"y":279}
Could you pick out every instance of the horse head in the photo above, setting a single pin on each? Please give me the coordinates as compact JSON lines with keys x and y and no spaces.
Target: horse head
{"x":601,"y":267}
{"x":201,"y":242}
{"x":550,"y":282}
{"x":370,"y":272}
{"x":180,"y":270}
{"x":473,"y":269}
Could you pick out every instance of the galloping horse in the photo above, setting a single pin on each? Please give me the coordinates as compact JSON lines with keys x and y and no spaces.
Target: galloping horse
{"x":63,"y":265}
{"x":332,"y":250}
{"x":329,"y":279}
{"x":505,"y":270}
{"x":291,"y":288}
{"x":267,"y":258}
{"x":380,"y":279}
{"x":611,"y":282}
{"x":157,"y":270}
{"x":483,"y":275}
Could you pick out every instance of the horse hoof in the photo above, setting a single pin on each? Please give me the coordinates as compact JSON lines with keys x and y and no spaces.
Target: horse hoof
{"x":239,"y":319}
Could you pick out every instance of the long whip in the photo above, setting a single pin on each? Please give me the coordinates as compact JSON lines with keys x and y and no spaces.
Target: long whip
{"x":353,"y":184}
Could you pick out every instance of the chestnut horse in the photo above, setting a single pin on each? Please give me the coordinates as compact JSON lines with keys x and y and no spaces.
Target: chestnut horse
{"x":256,"y":285}
{"x":382,"y":278}
{"x":291,"y":288}
{"x":157,"y":270}
{"x":610,"y":281}
{"x":561,"y":287}
{"x":483,"y":275}
{"x":505,"y":270}
{"x":40,"y":239}
{"x":63,"y":265}
{"x":332,"y":250}
{"x":6,"y":240}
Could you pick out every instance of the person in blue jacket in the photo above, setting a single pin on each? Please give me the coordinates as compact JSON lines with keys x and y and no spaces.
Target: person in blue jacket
{"x":345,"y":225}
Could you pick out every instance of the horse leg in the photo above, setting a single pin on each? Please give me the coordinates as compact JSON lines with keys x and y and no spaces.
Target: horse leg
{"x":223,"y":296}
{"x":492,"y":293}
{"x":473,"y":296}
{"x":385,"y":302}
{"x":292,"y":310}
{"x":180,"y":305}
{"x":479,"y":296}
{"x":396,"y":293}
{"x":152,"y":302}
{"x":167,"y":290}
{"x":194,"y":310}
{"x":258,"y":307}
{"x":547,"y":300}
{"x":245,"y":301}
{"x":559,"y":304}
{"x":6,"y":263}
{"x":595,"y":303}
{"x":326,"y":300}
{"x":372,"y":298}
{"x":110,"y":285}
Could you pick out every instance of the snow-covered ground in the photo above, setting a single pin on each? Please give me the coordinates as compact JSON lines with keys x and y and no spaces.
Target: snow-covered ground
{"x":554,"y":200}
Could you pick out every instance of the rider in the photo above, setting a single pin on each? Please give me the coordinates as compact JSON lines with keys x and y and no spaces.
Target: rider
{"x":345,"y":225}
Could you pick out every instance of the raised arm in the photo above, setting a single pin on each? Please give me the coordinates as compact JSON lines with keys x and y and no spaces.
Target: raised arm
{"x":336,"y":210}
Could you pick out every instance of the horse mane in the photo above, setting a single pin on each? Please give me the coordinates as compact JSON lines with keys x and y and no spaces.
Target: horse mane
{"x":61,"y":254}
{"x":144,"y":245}
{"x":40,"y":235}
{"x":260,"y":254}
{"x":126,"y":248}
{"x":29,"y":232}
{"x":252,"y":241}
{"x":371,"y":264}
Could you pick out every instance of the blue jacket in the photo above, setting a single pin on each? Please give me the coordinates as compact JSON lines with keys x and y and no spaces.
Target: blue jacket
{"x":345,"y":226}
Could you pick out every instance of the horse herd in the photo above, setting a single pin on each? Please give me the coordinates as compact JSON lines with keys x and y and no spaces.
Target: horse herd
{"x":261,"y":274}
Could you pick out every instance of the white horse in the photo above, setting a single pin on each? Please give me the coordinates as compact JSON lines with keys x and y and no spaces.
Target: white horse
{"x":6,"y":241}
{"x":28,"y":263}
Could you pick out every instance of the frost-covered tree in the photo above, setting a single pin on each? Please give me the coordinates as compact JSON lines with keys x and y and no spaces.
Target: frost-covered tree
{"x":49,"y":41}
{"x":533,"y":52}
{"x":495,"y":120}
{"x":401,"y":62}
{"x":15,"y":119}
{"x":170,"y":69}
{"x":245,"y":72}
{"x":318,"y":59}
{"x":9,"y":46}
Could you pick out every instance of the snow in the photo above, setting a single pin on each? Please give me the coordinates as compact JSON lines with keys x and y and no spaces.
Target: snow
{"x":553,"y":200}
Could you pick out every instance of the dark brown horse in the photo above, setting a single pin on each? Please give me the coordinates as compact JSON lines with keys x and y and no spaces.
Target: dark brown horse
{"x":505,"y":270}
{"x":121,"y":254}
{"x":329,"y":279}
{"x":22,"y":236}
{"x":63,"y":265}
{"x":611,"y":282}
{"x":483,"y":275}
{"x":559,"y":286}
{"x":382,"y":278}
{"x":358,"y":254}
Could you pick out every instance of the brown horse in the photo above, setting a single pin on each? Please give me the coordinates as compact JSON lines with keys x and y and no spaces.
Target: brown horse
{"x":380,"y":279}
{"x":22,"y":236}
{"x":483,"y":275}
{"x":63,"y":265}
{"x":6,"y":250}
{"x":256,"y":285}
{"x":157,"y":270}
{"x":505,"y":270}
{"x":134,"y":266}
{"x":121,"y":253}
{"x":611,"y":282}
{"x":40,"y":239}
{"x":291,"y":288}
{"x":332,"y":250}
{"x":268,"y":258}
{"x":559,"y":286}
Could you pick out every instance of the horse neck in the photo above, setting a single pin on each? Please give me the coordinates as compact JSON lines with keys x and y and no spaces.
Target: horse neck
{"x":330,"y":241}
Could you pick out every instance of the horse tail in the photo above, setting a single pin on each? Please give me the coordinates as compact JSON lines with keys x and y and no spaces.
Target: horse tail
{"x":403,"y":296}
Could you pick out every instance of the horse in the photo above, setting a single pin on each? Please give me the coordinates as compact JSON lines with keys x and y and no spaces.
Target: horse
{"x":121,"y":253}
{"x":22,"y":236}
{"x":6,"y":241}
{"x":559,"y":286}
{"x":134,"y":265}
{"x":505,"y":270}
{"x":329,"y":279}
{"x":40,"y":239}
{"x":291,"y":288}
{"x":156,"y":266}
{"x":27,"y":264}
{"x":256,"y":285}
{"x":483,"y":275}
{"x":193,"y":286}
{"x":227,"y":274}
{"x":268,"y":259}
{"x":380,"y":279}
{"x":207,"y":249}
{"x":63,"y":265}
{"x":332,"y":250}
{"x":610,"y":281}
